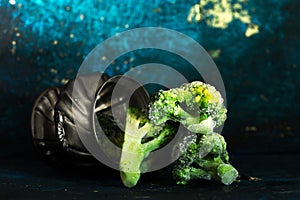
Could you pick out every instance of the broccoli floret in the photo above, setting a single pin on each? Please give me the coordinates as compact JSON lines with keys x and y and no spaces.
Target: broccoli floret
{"x":140,"y":138}
{"x":198,"y":106}
{"x":206,"y":158}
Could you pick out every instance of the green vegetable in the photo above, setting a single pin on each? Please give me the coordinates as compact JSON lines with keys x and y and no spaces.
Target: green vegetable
{"x":202,"y":153}
{"x":205,"y":158}
{"x":198,"y":106}
{"x":140,"y":138}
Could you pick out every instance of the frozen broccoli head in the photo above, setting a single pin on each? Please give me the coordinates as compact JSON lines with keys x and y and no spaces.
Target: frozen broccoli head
{"x":198,"y":106}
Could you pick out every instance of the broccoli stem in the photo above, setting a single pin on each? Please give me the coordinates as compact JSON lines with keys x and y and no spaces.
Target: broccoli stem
{"x":219,"y":170}
{"x":133,"y":152}
{"x":132,"y":156}
{"x":155,"y":143}
{"x":227,"y":173}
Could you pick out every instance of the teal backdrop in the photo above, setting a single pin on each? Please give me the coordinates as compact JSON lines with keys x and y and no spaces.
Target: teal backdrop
{"x":254,"y":43}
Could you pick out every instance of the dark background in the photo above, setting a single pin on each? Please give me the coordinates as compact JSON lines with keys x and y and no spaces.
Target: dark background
{"x":43,"y":43}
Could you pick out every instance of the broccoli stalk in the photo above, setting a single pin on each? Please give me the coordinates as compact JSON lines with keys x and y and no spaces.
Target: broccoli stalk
{"x":219,"y":170}
{"x":137,"y":130}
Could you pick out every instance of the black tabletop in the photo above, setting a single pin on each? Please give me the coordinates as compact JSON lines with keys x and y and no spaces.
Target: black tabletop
{"x":274,"y":176}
